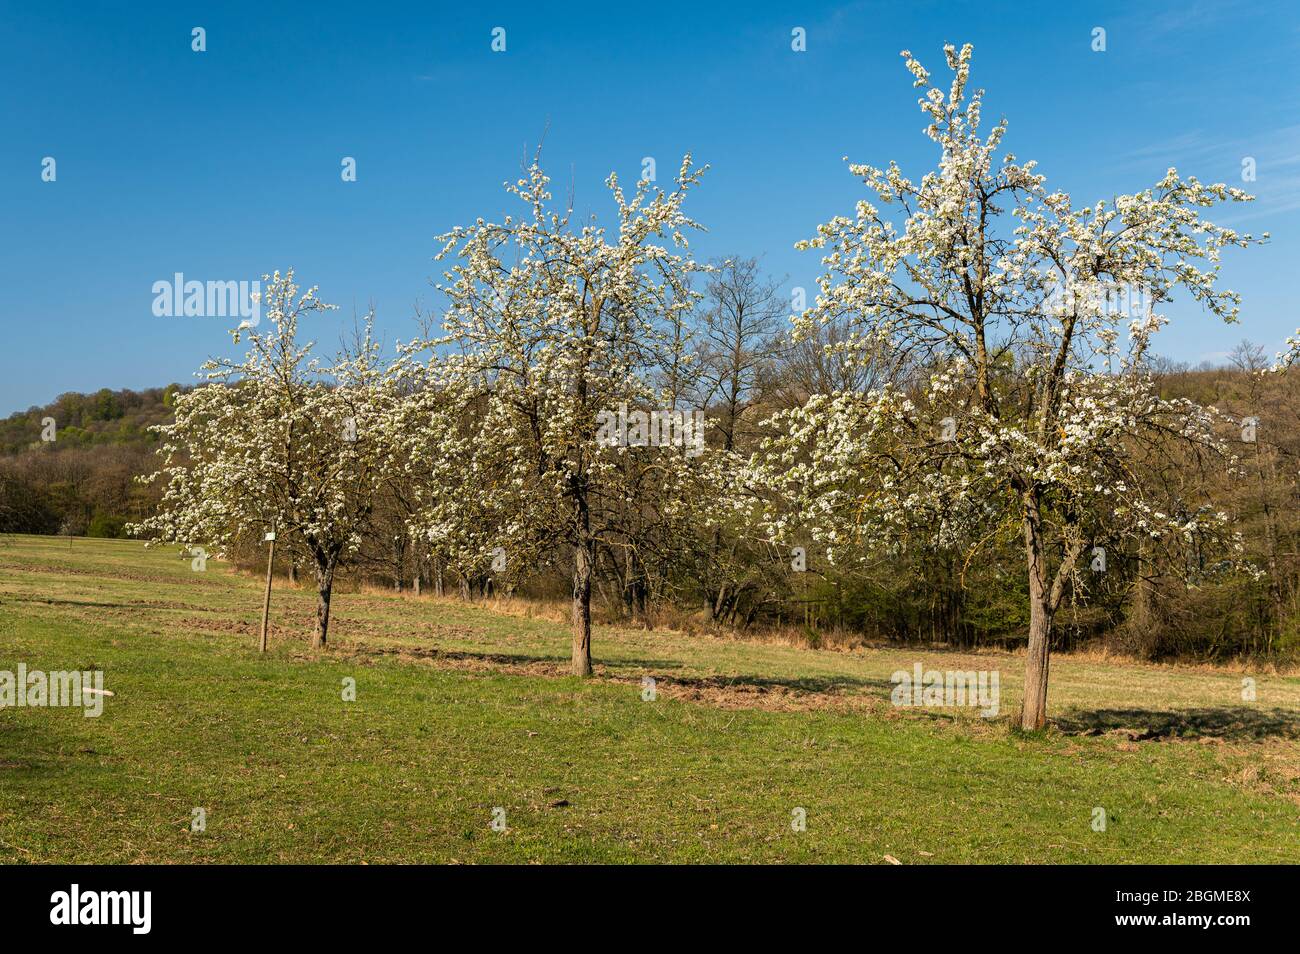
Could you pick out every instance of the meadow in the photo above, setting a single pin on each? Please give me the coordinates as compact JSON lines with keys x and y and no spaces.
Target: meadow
{"x":463,"y":714}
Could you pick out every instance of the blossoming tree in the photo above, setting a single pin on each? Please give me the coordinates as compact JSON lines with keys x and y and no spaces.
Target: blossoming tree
{"x":1020,"y":403}
{"x":277,"y":439}
{"x":550,"y":324}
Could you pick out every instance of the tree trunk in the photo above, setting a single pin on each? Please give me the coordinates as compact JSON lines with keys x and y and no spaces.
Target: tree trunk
{"x":324,"y":588}
{"x":582,"y":563}
{"x":1034,"y":714}
{"x":720,"y":601}
{"x":634,"y":586}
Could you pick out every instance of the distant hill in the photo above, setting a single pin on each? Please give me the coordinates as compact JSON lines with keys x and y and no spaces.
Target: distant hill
{"x":114,"y":418}
{"x":82,"y":482}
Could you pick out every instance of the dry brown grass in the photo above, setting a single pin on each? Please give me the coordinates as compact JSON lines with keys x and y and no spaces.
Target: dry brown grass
{"x":678,"y":621}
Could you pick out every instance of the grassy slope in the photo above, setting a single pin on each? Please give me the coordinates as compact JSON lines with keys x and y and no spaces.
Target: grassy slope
{"x":460,"y":710}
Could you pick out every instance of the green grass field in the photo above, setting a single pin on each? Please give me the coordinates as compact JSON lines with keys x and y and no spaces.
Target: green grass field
{"x":460,"y":710}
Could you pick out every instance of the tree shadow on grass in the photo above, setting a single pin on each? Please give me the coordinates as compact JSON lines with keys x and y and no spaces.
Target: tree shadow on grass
{"x":95,"y":604}
{"x":1229,"y":723}
{"x":503,"y":660}
{"x":39,"y":743}
{"x":668,"y":670}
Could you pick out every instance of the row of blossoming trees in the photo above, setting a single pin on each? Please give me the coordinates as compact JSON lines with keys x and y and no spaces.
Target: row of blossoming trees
{"x":985,"y":395}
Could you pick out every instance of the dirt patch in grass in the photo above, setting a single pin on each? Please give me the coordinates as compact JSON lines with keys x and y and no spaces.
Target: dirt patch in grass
{"x":105,"y":571}
{"x":722,"y":692}
{"x":365,"y":628}
{"x":218,"y":624}
{"x":734,"y":693}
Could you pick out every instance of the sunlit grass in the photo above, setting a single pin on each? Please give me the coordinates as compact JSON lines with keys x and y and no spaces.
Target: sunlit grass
{"x":460,"y":711}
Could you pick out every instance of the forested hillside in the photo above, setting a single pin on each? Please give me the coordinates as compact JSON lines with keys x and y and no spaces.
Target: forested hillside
{"x":69,"y":467}
{"x":120,"y":418}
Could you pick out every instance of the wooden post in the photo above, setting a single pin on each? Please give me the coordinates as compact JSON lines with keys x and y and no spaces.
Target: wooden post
{"x":266,"y":602}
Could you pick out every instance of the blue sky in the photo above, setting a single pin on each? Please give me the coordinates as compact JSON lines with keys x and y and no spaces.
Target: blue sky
{"x":225,"y":164}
